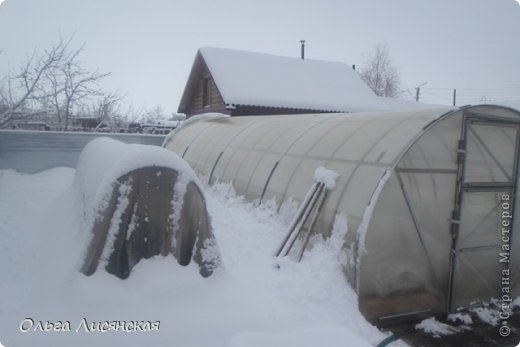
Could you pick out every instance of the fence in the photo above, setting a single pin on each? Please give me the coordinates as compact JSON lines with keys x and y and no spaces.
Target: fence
{"x":35,"y":151}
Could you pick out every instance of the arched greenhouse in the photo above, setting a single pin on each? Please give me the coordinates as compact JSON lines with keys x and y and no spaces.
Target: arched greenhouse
{"x":429,"y":195}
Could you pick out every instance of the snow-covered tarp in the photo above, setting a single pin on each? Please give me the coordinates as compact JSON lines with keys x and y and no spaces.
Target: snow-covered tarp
{"x":104,"y":160}
{"x":138,"y":201}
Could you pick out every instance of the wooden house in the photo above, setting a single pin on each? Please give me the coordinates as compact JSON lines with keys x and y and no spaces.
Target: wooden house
{"x":242,"y":83}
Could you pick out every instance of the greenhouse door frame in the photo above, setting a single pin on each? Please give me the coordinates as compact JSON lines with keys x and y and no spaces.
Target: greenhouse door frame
{"x":465,"y":192}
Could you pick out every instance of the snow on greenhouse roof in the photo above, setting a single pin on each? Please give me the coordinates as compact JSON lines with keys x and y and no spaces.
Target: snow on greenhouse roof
{"x":248,"y":78}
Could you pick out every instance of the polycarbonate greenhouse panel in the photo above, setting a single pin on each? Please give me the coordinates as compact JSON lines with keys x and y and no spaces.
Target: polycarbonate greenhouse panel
{"x":476,"y":276}
{"x":416,"y":240}
{"x":396,"y":270}
{"x":491,"y":153}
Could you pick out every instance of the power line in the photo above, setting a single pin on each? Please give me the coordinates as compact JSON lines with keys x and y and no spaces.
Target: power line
{"x":466,"y":95}
{"x":475,"y":89}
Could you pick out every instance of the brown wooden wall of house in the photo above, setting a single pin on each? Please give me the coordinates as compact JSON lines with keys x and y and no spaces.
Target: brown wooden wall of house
{"x":196,"y":104}
{"x":192,"y":102}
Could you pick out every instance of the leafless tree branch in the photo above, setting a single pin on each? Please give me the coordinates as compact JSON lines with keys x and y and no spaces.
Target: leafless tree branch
{"x":55,"y":80}
{"x":380,"y":74}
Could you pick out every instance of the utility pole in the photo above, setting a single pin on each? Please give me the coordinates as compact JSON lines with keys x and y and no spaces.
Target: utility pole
{"x":303,"y":49}
{"x":418,"y":91}
{"x":454,"y":96}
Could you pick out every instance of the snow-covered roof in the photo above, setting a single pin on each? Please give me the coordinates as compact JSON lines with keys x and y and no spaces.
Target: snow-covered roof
{"x":266,"y":80}
{"x":257,"y":79}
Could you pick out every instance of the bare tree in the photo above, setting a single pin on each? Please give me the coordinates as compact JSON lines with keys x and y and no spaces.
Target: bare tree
{"x":4,"y":100}
{"x":107,"y":109}
{"x":55,"y":82}
{"x":380,"y":74}
{"x":30,"y":77}
{"x":70,"y":84}
{"x":107,"y":106}
{"x":154,"y":115}
{"x":133,"y":114}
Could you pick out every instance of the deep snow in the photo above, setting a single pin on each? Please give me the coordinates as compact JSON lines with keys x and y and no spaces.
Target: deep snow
{"x":253,"y":300}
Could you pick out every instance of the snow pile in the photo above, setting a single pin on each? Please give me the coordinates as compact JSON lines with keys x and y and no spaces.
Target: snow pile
{"x":327,"y":177}
{"x":487,"y":315}
{"x":435,"y":328}
{"x":249,"y":301}
{"x":314,"y":290}
{"x":460,"y":317}
{"x":24,"y":206}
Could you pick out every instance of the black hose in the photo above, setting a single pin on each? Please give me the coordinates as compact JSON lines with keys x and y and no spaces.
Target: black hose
{"x":395,"y":337}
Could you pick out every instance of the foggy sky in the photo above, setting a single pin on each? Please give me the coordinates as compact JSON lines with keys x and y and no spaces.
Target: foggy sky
{"x":149,"y":46}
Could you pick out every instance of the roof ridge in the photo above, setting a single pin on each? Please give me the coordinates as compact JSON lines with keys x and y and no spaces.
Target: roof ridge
{"x":240,"y":51}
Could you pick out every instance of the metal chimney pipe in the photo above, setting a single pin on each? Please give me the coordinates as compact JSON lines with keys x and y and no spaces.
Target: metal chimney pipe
{"x":303,"y":48}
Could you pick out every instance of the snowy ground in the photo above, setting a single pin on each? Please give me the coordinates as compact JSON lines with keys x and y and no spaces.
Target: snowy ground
{"x":252,"y":301}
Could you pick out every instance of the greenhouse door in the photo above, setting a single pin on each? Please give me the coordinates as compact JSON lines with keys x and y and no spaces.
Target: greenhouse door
{"x":482,"y":220}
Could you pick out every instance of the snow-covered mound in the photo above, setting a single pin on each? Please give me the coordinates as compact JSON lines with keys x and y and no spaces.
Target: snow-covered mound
{"x":137,"y":202}
{"x":249,"y":302}
{"x":104,"y":160}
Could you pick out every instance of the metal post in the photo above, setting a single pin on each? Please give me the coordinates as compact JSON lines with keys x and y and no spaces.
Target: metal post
{"x":303,"y":49}
{"x":418,"y":91}
{"x":454,"y":96}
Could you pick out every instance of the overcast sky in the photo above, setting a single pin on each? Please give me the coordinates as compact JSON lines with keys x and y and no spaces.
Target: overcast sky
{"x":149,"y":46}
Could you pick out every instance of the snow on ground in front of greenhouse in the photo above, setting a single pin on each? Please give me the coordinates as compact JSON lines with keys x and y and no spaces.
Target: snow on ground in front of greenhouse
{"x":253,"y":300}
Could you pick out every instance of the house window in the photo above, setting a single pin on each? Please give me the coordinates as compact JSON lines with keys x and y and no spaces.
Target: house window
{"x":206,"y":92}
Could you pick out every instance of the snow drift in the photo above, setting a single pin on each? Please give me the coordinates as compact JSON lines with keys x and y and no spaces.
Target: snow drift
{"x":246,"y":299}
